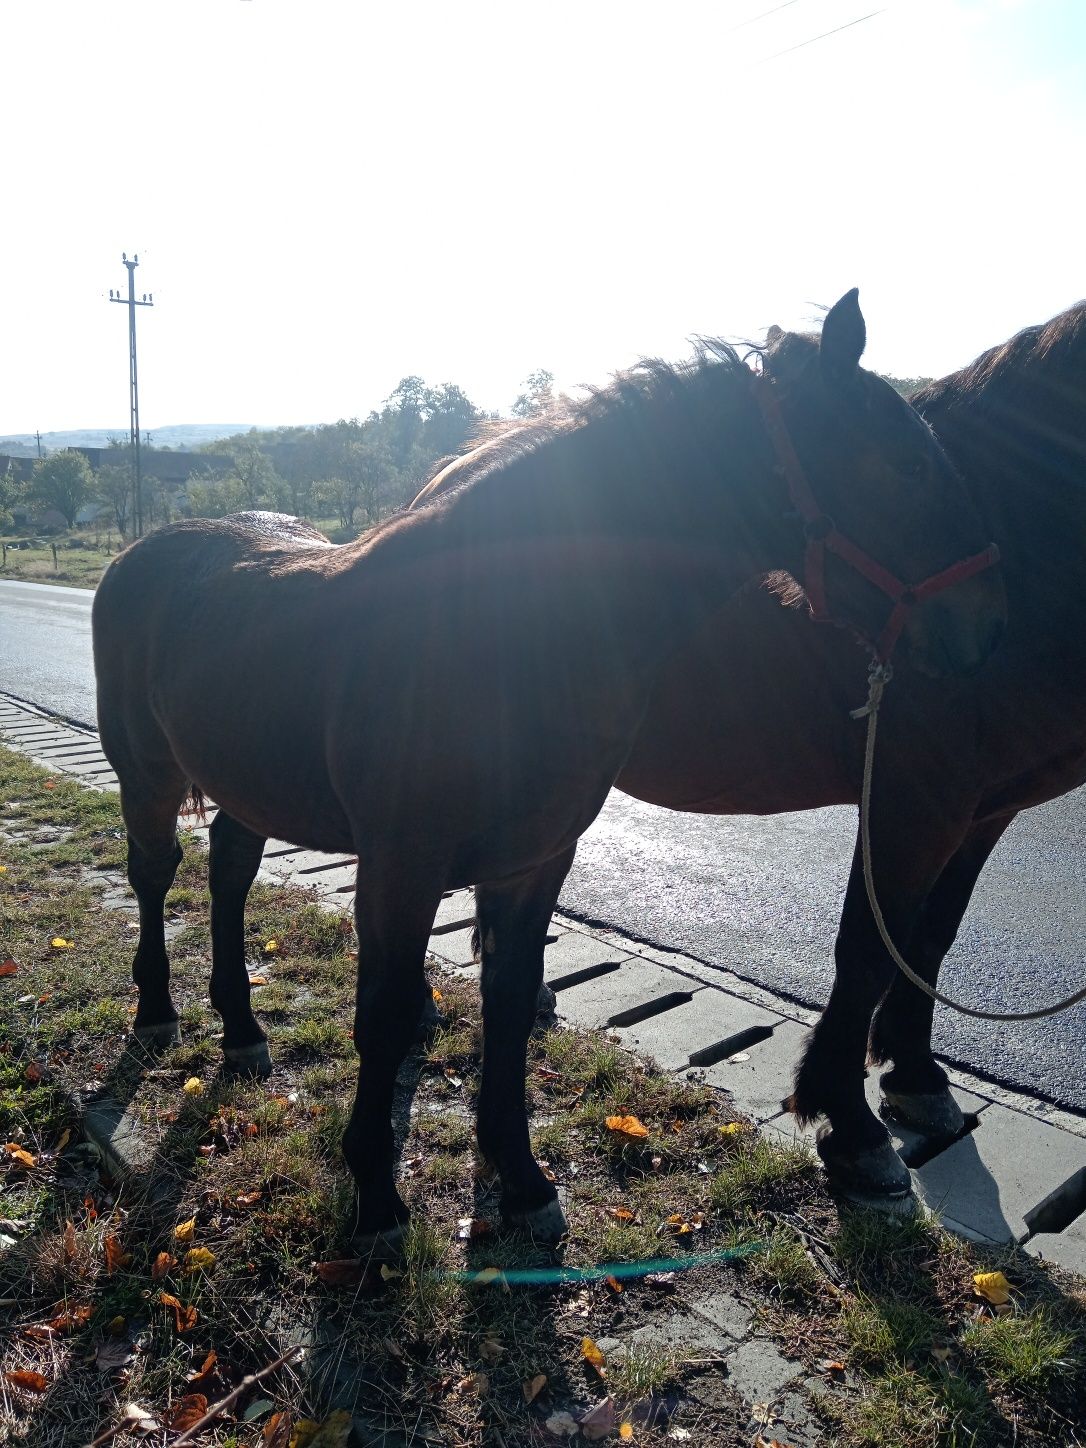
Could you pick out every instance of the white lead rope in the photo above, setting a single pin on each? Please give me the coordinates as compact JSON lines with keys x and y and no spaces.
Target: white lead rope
{"x":879,"y":676}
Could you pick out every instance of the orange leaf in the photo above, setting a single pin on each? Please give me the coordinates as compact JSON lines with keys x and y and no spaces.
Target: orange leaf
{"x":346,"y":1272}
{"x":72,"y":1318}
{"x":533,"y":1387}
{"x":33,"y":1072}
{"x":116,"y":1256}
{"x":258,"y":980}
{"x":69,"y":1241}
{"x":613,"y":1283}
{"x":8,"y":967}
{"x":621,"y":1214}
{"x":626,"y":1431}
{"x":187,"y":1412}
{"x":49,"y":784}
{"x":19,"y":1155}
{"x":184,"y":1317}
{"x":206,"y":1373}
{"x":277,"y":1431}
{"x":30,"y":1382}
{"x":592,"y":1354}
{"x":627,"y":1126}
{"x":161,"y":1265}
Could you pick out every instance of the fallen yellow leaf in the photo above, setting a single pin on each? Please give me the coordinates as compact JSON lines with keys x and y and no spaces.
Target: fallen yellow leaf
{"x":592,"y":1354}
{"x":199,"y":1259}
{"x":185,"y":1231}
{"x":258,"y":980}
{"x":993,"y":1286}
{"x":627,"y":1126}
{"x":59,"y":943}
{"x":193,"y":1086}
{"x":732,"y":1128}
{"x":626,"y":1430}
{"x":19,"y":1155}
{"x":270,"y":947}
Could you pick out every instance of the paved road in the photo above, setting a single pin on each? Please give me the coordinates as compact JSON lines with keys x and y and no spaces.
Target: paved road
{"x":757,"y":896}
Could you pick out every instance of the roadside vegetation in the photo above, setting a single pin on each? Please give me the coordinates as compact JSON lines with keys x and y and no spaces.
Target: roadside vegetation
{"x":135,"y":1300}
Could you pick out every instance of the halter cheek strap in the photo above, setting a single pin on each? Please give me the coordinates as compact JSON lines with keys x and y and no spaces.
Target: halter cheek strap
{"x":823,"y":536}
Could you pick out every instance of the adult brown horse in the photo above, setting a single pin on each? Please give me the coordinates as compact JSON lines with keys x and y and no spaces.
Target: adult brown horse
{"x":452,"y":696}
{"x":752,"y":717}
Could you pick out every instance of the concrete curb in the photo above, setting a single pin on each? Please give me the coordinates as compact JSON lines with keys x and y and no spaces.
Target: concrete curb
{"x":1017,"y":1175}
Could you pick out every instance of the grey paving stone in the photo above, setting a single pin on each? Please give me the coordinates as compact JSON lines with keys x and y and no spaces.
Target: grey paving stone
{"x":596,"y":1002}
{"x":79,"y":768}
{"x":723,"y":1310}
{"x":1067,"y":1248}
{"x":454,"y":947}
{"x":457,"y":907}
{"x":1001,"y":1173}
{"x":760,"y":1083}
{"x":575,"y":951}
{"x":712,"y":1017}
{"x":758,"y":1372}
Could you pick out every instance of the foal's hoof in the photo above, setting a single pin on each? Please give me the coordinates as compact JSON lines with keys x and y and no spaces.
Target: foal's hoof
{"x":931,"y":1113}
{"x":378,"y":1247}
{"x":158,"y":1038}
{"x":254,"y":1060}
{"x":876,"y":1176}
{"x":546,"y":1225}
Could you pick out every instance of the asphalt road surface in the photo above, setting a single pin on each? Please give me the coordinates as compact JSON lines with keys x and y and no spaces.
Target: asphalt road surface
{"x":760,"y":897}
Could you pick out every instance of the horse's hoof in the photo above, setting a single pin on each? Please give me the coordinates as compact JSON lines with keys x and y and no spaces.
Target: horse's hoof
{"x":377,"y":1247}
{"x":158,"y":1038}
{"x":931,"y":1113}
{"x":876,"y":1174}
{"x":546,"y":1225}
{"x":254,"y":1060}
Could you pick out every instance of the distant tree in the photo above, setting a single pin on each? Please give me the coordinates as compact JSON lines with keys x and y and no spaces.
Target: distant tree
{"x":12,"y":492}
{"x":906,"y":385}
{"x":213,"y":495}
{"x":113,"y":486}
{"x":450,"y":418}
{"x":254,"y":471}
{"x":62,"y":481}
{"x":538,"y":394}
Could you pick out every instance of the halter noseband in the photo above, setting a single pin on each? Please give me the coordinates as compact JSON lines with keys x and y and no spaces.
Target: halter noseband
{"x":823,"y":536}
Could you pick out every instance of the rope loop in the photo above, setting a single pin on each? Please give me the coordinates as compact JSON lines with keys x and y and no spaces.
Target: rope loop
{"x":879,"y":675}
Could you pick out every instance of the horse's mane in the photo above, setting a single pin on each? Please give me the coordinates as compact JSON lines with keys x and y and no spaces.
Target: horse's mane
{"x":633,"y":393}
{"x":1050,"y":357}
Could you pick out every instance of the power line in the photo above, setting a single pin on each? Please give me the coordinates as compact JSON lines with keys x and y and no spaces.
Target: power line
{"x":836,"y":29}
{"x":755,"y":18}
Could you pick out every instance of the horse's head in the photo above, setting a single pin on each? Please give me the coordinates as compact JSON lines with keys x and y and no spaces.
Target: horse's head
{"x":886,"y":510}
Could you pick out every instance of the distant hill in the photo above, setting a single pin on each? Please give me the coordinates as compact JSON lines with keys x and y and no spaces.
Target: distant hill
{"x":181,"y":435}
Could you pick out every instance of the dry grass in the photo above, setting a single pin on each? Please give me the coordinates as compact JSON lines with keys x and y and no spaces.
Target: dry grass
{"x":424,"y":1355}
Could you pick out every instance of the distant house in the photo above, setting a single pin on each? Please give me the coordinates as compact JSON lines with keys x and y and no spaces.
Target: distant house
{"x":172,"y":469}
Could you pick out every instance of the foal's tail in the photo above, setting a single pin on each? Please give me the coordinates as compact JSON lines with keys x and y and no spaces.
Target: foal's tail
{"x":194,"y":805}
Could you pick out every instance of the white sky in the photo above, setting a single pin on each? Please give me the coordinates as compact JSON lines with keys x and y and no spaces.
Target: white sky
{"x":327,"y":196}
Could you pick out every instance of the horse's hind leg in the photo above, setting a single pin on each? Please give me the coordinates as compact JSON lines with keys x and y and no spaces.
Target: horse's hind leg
{"x":394,"y":910}
{"x":235,"y":854}
{"x":916,"y":1091}
{"x":154,"y":854}
{"x":513,"y":917}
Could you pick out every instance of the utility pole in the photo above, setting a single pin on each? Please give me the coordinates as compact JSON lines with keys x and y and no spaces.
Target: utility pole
{"x":132,"y":303}
{"x":38,"y":436}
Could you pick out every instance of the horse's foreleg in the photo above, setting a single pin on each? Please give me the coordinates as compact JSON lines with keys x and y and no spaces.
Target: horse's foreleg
{"x":235,"y":854}
{"x":513,"y":917}
{"x":394,"y":911}
{"x":916,"y":1090}
{"x":908,"y":857}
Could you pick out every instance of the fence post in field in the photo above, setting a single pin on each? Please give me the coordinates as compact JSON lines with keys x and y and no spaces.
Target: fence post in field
{"x":54,"y":548}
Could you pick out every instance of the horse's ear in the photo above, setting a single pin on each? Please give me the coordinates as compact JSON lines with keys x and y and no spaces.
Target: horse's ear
{"x":773,"y":335}
{"x":844,"y":337}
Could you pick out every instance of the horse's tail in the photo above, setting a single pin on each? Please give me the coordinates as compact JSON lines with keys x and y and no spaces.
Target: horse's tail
{"x":194,"y":804}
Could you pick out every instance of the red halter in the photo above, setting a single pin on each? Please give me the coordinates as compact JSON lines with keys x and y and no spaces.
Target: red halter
{"x":823,"y":535}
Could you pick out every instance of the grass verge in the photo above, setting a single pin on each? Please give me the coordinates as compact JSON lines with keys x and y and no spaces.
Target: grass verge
{"x":150,"y":1294}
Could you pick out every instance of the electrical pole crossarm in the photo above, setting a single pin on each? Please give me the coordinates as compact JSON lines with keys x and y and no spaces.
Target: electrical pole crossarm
{"x":132,"y":302}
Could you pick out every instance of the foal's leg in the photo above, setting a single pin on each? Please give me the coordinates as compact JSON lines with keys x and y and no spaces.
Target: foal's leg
{"x":916,"y":1090}
{"x":154,"y":854}
{"x":393,"y":918}
{"x":235,"y":854}
{"x":513,"y":917}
